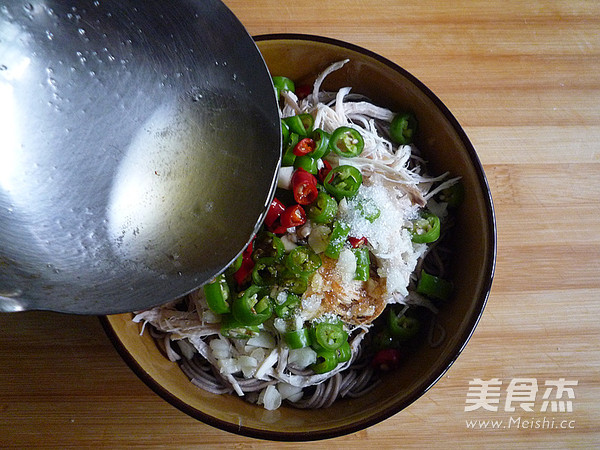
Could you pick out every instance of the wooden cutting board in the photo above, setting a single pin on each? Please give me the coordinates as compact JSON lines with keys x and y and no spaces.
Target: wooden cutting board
{"x":523,"y":78}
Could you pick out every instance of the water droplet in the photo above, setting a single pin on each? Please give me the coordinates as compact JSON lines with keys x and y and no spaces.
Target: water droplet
{"x":3,"y":67}
{"x":81,"y":31}
{"x":28,"y":7}
{"x":49,"y":35}
{"x":111,"y":58}
{"x":96,"y":3}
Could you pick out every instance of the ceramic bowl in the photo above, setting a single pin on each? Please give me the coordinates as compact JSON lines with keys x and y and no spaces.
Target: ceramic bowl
{"x":447,"y":148}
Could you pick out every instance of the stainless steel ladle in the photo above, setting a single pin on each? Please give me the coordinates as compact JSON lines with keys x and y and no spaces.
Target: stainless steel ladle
{"x":139,"y":149}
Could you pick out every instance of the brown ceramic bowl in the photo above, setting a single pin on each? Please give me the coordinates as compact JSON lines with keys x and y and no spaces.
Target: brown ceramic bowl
{"x":447,"y":148}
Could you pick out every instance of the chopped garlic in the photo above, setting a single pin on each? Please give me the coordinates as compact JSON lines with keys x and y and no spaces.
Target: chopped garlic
{"x":287,"y":390}
{"x":270,"y":398}
{"x":302,"y":357}
{"x":264,"y":339}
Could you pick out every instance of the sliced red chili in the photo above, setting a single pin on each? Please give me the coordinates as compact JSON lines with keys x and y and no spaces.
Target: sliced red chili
{"x":304,"y":187}
{"x":303,"y":91}
{"x":304,"y":147}
{"x":305,"y":194}
{"x":275,"y":210}
{"x":293,"y":216}
{"x":386,"y":359}
{"x":324,"y":171}
{"x":242,"y":276}
{"x":357,"y":242}
{"x":277,"y":228}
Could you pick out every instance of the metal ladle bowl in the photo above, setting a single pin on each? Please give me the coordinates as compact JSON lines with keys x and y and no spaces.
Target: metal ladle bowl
{"x":139,"y":149}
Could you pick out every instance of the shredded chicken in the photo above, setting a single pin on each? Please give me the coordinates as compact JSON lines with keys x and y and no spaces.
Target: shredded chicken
{"x":379,"y":156}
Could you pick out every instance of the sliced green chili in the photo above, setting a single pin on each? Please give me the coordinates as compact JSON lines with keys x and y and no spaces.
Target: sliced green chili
{"x":285,"y":134}
{"x":328,"y":336}
{"x":321,"y":139}
{"x":302,"y":261}
{"x":283,"y":84}
{"x":454,"y":195}
{"x":326,"y":362}
{"x":337,"y":239}
{"x":402,"y":327}
{"x":324,"y":209}
{"x":343,"y":352}
{"x":267,"y":245}
{"x":235,"y":265}
{"x":384,"y":340}
{"x":288,"y":156}
{"x":426,"y":228}
{"x":298,"y":338}
{"x":218,"y":295}
{"x":292,"y":283}
{"x":231,"y":328}
{"x":403,"y":128}
{"x":302,"y":124}
{"x":253,"y":307}
{"x":347,"y":142}
{"x":343,"y":181}
{"x":434,"y":287}
{"x":368,"y":209}
{"x":286,"y":309}
{"x":266,"y":272}
{"x":363,"y":263}
{"x":308,"y":163}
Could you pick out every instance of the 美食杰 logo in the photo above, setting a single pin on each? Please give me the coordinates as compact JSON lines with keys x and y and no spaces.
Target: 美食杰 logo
{"x":557,"y":395}
{"x":522,"y":395}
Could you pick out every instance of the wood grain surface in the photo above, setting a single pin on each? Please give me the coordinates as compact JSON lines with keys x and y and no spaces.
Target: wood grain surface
{"x":523,"y":78}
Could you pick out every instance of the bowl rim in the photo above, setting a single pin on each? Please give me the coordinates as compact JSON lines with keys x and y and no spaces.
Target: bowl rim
{"x":427,"y":383}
